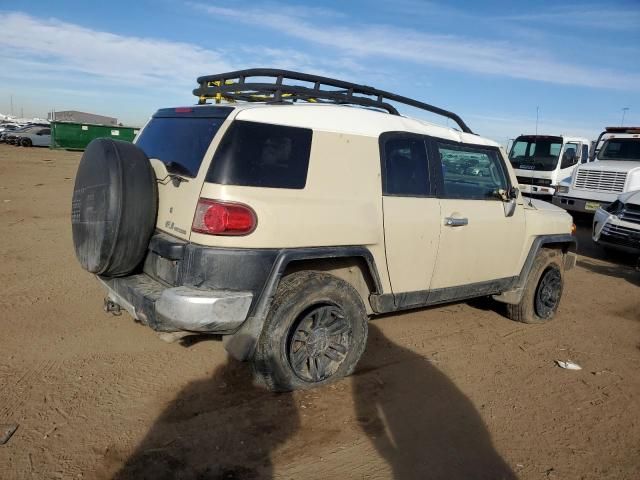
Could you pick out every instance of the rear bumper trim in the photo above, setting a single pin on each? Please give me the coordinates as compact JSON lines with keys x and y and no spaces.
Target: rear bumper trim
{"x":178,"y":308}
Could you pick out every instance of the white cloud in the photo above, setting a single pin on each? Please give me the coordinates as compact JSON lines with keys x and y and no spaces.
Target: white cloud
{"x":39,"y":47}
{"x":449,"y":51}
{"x":596,"y":17}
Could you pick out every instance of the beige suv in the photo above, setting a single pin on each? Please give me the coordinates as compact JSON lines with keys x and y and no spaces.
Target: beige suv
{"x":294,"y":208}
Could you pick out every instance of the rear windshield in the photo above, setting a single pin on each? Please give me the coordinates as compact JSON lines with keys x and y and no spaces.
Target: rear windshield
{"x":179,"y":142}
{"x":535,"y":153}
{"x":620,"y":149}
{"x":262,"y":155}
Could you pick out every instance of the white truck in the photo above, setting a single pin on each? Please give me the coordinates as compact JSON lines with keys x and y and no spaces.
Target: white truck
{"x":615,"y":170}
{"x":541,"y":162}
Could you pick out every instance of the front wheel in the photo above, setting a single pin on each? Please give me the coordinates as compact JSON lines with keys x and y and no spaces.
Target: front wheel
{"x":26,"y":142}
{"x":543,"y":291}
{"x":314,"y":334}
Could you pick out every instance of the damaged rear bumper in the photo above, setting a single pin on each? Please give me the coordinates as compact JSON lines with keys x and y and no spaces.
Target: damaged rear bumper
{"x":182,"y":308}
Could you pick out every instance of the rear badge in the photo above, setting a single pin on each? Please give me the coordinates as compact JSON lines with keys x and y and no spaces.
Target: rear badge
{"x":170,"y":225}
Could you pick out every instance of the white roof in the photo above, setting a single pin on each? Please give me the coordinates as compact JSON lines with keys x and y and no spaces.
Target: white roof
{"x":565,"y":138}
{"x":350,"y":120}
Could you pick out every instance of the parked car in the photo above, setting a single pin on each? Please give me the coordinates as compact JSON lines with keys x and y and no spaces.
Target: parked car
{"x":8,"y":132}
{"x":616,"y":170}
{"x":9,"y":127}
{"x":10,"y":137}
{"x":541,"y":162}
{"x":617,"y":226}
{"x":37,"y":137}
{"x":283,"y":225}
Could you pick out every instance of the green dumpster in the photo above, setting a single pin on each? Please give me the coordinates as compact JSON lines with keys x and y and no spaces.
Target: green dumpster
{"x":76,"y":136}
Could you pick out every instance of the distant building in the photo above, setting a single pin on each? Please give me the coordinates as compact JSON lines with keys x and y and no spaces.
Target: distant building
{"x":82,"y":117}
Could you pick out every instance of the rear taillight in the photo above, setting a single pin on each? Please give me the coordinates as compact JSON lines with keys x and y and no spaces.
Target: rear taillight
{"x":215,"y":217}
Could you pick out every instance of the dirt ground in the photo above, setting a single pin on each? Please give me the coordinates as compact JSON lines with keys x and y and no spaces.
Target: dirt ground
{"x":457,"y":392}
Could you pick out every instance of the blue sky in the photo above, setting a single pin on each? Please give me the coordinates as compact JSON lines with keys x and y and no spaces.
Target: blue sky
{"x":492,"y":63}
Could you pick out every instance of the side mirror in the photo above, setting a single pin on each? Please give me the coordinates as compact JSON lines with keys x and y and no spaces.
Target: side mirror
{"x":508,"y":195}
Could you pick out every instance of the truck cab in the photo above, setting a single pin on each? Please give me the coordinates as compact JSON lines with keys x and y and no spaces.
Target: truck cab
{"x":614,"y":169}
{"x":541,"y":162}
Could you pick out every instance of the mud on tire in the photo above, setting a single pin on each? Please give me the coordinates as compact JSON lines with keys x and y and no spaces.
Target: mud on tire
{"x":314,"y":334}
{"x":543,"y":290}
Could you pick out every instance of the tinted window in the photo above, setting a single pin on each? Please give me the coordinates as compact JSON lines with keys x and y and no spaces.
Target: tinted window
{"x":585,"y":153}
{"x":535,"y":153}
{"x":179,"y":143}
{"x":262,"y":155}
{"x":405,"y":167}
{"x":471,"y":173}
{"x":570,"y":155}
{"x":620,"y":149}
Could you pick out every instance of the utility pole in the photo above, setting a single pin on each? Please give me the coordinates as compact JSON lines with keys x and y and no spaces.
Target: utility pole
{"x":624,"y":112}
{"x":537,"y":112}
{"x":12,"y":104}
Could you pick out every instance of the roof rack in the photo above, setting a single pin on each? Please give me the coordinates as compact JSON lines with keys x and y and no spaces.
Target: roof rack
{"x":233,"y":86}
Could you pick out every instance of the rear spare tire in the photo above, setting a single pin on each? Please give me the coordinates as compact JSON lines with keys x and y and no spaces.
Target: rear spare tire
{"x":114,"y":207}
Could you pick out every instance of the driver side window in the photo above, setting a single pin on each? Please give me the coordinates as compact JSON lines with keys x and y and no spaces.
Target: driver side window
{"x":571,"y":155}
{"x":471,"y":172}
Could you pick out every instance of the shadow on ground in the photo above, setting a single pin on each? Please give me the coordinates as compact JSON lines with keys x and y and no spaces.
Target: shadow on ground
{"x":420,"y":424}
{"x":630,"y":274}
{"x":418,"y":420}
{"x":219,"y":428}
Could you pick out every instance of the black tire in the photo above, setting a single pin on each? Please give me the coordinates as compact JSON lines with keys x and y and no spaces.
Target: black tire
{"x":114,"y":207}
{"x":543,"y":291}
{"x":26,"y":142}
{"x":314,"y":334}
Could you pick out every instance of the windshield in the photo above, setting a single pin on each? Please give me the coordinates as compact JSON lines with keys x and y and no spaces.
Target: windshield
{"x":627,"y":149}
{"x":179,"y":142}
{"x":536,"y":153}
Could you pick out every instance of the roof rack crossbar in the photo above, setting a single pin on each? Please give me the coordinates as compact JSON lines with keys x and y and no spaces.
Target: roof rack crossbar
{"x":235,"y":86}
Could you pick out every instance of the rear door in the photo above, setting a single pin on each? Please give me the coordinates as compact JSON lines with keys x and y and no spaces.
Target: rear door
{"x":411,"y":216}
{"x":479,"y":242}
{"x":177,"y":140}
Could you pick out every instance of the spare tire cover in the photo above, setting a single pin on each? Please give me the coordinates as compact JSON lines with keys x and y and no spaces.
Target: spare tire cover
{"x":114,"y":207}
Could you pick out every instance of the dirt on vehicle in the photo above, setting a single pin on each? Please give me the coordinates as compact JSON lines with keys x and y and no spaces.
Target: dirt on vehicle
{"x":452,"y":392}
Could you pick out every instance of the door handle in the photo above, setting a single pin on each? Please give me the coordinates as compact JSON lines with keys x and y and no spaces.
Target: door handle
{"x":456,"y":222}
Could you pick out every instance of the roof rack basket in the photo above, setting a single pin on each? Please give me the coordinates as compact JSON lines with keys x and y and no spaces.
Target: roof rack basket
{"x":236,"y":86}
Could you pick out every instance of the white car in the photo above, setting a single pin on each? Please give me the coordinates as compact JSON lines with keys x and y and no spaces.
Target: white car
{"x":618,"y":225}
{"x":616,"y":170}
{"x":39,"y":137}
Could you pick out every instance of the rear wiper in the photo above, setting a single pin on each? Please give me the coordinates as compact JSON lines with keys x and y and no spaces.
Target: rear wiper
{"x":176,"y":173}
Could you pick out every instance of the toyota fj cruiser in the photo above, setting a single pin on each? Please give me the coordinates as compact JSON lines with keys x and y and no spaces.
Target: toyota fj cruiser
{"x":287,"y":216}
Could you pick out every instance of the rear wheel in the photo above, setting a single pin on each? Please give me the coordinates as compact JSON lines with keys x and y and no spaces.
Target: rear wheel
{"x":314,"y":334}
{"x":543,"y":291}
{"x":26,"y":142}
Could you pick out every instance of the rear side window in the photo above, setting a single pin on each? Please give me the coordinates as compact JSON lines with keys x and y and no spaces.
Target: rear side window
{"x":405,"y":168}
{"x":255,"y":154}
{"x":179,"y":142}
{"x":471,"y":173}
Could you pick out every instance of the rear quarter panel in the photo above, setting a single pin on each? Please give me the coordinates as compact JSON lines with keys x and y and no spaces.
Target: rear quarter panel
{"x":341,"y":203}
